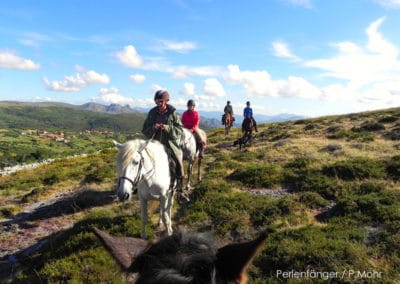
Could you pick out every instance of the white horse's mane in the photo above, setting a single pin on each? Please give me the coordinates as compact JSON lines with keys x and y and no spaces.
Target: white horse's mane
{"x":128,"y":150}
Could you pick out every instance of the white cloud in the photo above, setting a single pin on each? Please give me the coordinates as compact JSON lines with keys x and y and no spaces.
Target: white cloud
{"x":362,"y":67}
{"x":181,"y":47}
{"x":389,"y":3}
{"x":213,"y":88}
{"x":281,"y":49}
{"x":188,"y":89}
{"x":137,"y":78}
{"x":181,"y":72}
{"x":77,"y":82}
{"x":92,"y":77}
{"x":260,"y":84}
{"x":256,"y":83}
{"x":298,"y":87}
{"x":303,"y":3}
{"x":129,"y":57}
{"x":11,"y":61}
{"x":112,"y":96}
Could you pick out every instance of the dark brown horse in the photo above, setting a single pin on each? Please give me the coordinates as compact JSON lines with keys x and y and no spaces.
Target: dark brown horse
{"x":183,"y":258}
{"x":247,"y":130}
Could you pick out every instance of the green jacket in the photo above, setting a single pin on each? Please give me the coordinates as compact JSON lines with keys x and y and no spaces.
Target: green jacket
{"x":173,"y":129}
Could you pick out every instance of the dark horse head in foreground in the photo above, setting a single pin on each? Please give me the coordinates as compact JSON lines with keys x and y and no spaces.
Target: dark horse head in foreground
{"x":183,"y":258}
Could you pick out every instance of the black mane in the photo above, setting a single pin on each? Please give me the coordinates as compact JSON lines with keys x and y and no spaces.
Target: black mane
{"x":180,"y":258}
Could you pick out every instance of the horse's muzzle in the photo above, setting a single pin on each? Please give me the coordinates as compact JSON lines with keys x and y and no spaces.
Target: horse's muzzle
{"x":124,"y":196}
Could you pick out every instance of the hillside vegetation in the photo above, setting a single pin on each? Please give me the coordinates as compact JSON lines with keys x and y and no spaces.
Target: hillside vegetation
{"x":326,"y":190}
{"x":65,"y":117}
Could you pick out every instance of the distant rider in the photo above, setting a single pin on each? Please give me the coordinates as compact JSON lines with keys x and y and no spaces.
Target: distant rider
{"x":248,"y":113}
{"x":228,"y":110}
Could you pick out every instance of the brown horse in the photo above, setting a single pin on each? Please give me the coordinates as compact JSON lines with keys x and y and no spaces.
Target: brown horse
{"x":227,"y":120}
{"x":183,"y":258}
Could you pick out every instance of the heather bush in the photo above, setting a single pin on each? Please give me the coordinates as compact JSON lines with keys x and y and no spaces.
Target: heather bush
{"x":357,"y":168}
{"x":257,"y":175}
{"x":393,"y":167}
{"x":313,"y":200}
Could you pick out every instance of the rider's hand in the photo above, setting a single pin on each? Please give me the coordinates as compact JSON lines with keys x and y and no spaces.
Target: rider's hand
{"x":159,"y":126}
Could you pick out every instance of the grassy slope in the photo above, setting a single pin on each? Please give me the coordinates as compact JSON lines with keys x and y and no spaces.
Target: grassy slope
{"x":341,"y":212}
{"x":49,"y":117}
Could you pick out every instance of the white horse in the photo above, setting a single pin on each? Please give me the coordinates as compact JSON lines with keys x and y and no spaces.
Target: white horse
{"x":143,"y":165}
{"x":191,"y":152}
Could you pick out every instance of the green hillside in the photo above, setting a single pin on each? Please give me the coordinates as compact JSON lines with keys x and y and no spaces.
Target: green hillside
{"x":65,"y":117}
{"x":326,"y":190}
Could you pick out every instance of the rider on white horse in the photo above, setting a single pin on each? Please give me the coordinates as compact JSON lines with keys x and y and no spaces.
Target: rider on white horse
{"x":163,"y":124}
{"x":191,"y":121}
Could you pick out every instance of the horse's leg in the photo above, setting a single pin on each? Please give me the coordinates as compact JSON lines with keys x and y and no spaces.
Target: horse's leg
{"x":143,"y":213}
{"x":199,"y":169}
{"x":159,"y":218}
{"x":165,"y":205}
{"x":189,"y":172}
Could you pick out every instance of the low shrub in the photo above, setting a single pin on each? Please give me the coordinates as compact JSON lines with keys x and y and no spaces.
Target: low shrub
{"x":358,"y":168}
{"x":304,"y":179}
{"x":393,"y":168}
{"x":370,"y":127}
{"x":373,"y":207}
{"x":322,"y":249}
{"x":262,"y":175}
{"x":313,"y":200}
{"x":388,"y":119}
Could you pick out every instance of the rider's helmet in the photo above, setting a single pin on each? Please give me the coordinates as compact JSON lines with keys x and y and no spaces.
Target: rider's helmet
{"x":161,"y":94}
{"x":248,"y":103}
{"x":228,"y":102}
{"x":191,"y":103}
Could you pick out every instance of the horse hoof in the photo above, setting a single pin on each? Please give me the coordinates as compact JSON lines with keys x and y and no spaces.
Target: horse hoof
{"x":183,"y":198}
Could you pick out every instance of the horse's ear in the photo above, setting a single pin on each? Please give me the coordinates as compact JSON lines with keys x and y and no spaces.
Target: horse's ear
{"x":117,"y":144}
{"x":234,"y":259}
{"x":124,"y":249}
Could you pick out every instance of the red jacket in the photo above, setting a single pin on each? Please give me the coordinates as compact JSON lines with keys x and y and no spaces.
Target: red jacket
{"x":191,"y":119}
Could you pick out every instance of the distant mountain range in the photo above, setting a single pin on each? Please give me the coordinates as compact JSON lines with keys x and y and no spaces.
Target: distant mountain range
{"x":209,"y":119}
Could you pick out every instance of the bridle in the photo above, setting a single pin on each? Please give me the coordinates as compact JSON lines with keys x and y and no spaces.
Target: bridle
{"x":136,"y":180}
{"x":139,"y":174}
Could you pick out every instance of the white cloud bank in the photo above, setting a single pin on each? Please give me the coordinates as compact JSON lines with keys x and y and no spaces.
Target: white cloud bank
{"x":10,"y":60}
{"x":366,"y":74}
{"x":112,"y":96}
{"x":77,"y":82}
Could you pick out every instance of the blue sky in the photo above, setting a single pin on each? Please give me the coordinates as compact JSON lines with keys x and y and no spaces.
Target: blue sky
{"x":307,"y":57}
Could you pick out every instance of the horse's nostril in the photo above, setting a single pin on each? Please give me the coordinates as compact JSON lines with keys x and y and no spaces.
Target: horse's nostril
{"x":126,"y":196}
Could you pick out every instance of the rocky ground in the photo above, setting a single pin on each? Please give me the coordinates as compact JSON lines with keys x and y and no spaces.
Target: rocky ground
{"x":28,"y":231}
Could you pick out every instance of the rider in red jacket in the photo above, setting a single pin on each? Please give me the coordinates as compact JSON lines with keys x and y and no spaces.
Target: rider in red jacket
{"x":191,"y":120}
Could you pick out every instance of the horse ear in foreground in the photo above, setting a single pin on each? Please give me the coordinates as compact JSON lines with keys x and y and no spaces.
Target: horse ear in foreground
{"x":183,"y":258}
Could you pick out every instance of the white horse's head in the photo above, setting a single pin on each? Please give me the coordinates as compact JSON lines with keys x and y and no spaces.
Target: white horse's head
{"x":129,"y":168}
